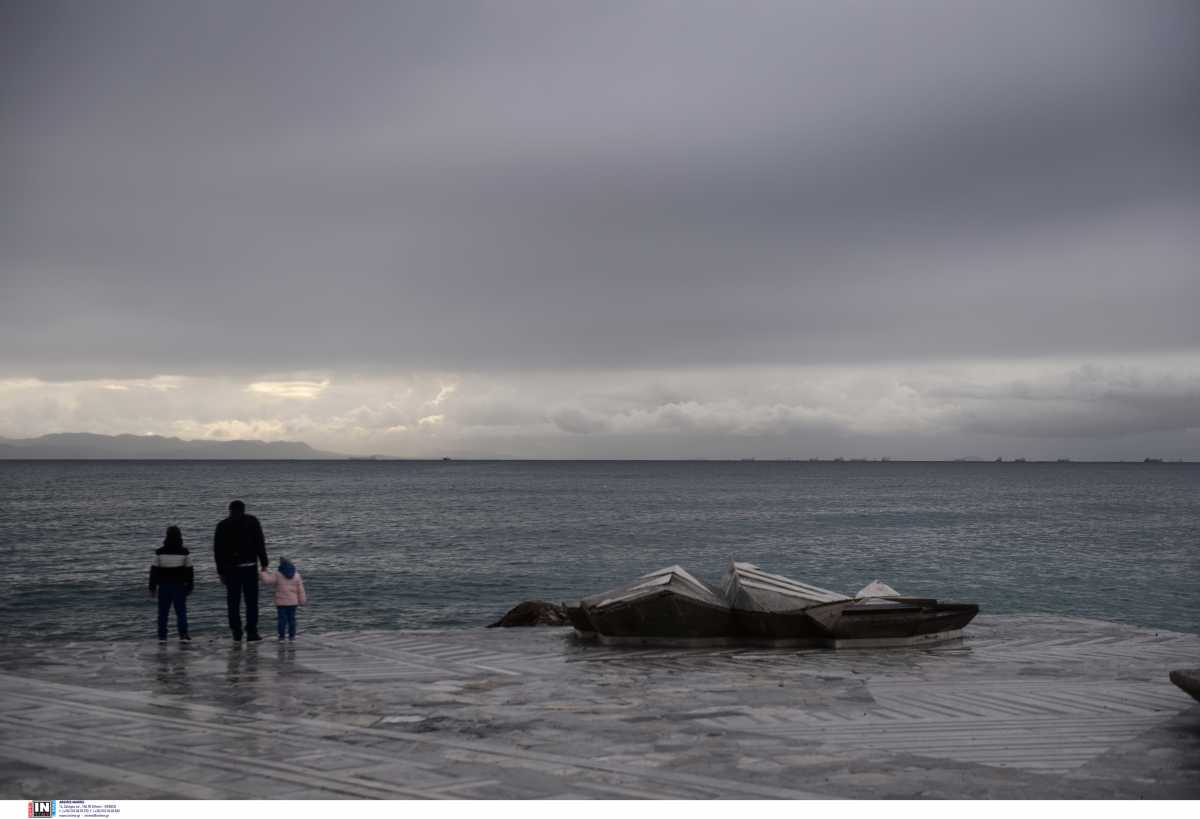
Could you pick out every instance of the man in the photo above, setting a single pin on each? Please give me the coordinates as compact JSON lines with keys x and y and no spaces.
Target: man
{"x":239,"y":548}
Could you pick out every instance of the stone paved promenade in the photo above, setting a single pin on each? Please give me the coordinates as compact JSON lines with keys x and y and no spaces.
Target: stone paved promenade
{"x":1023,"y":707}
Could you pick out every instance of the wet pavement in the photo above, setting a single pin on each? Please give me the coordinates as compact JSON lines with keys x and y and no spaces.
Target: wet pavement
{"x":1023,"y":707}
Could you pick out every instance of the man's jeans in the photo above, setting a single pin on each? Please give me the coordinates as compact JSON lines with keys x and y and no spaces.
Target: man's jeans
{"x":287,"y":621}
{"x":241,"y":582}
{"x":172,"y":594}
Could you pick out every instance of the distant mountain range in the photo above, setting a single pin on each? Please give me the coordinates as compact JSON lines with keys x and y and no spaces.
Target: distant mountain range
{"x":86,"y":445}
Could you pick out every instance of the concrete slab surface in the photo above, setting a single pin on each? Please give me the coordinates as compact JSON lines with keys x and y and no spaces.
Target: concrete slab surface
{"x":1022,"y":707}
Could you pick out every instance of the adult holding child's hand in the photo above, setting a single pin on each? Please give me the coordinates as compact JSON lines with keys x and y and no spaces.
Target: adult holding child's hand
{"x":238,"y":549}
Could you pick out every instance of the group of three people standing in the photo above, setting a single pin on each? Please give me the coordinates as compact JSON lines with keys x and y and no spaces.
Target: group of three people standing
{"x":240,"y":552}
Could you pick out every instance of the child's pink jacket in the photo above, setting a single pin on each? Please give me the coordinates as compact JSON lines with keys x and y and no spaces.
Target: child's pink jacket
{"x":289,"y":591}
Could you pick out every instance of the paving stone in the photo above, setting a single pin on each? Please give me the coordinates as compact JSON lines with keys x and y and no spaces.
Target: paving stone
{"x":1023,"y":707}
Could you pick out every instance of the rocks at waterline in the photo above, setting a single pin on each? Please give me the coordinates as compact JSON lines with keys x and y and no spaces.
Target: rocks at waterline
{"x":534,"y":613}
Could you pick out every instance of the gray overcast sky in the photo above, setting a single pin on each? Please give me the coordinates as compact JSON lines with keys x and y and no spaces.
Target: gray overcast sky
{"x":605,"y":229}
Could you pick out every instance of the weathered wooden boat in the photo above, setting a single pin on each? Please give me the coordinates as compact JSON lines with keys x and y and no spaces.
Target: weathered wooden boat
{"x":890,"y":618}
{"x":671,"y":605}
{"x":666,"y":605}
{"x":775,"y":608}
{"x":772,"y":607}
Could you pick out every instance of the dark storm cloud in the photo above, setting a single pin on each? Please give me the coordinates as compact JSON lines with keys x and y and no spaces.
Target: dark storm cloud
{"x":1092,"y":406}
{"x":200,"y":188}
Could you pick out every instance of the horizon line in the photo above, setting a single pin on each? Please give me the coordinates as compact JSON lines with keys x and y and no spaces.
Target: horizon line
{"x":494,"y":459}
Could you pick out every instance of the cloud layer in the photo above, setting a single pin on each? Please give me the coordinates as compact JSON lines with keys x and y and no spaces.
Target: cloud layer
{"x":563,"y":204}
{"x":1048,"y":409}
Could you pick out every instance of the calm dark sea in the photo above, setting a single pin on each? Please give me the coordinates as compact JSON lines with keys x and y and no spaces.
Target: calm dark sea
{"x":412,"y":545}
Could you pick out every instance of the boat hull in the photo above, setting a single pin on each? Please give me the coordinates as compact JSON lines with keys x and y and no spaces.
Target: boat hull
{"x":664,"y":615}
{"x":775,"y":626}
{"x":854,"y":620}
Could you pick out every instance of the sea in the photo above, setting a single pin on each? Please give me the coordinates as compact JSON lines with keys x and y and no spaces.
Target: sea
{"x":454,"y":544}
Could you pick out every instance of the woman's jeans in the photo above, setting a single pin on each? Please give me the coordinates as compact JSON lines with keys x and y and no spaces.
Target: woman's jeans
{"x":172,"y":594}
{"x":287,"y":621}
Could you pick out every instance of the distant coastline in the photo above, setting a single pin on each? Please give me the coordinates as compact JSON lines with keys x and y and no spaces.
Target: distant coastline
{"x":75,"y":446}
{"x":85,"y":446}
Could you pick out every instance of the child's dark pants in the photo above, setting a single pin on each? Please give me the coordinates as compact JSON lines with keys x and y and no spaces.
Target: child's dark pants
{"x":287,"y":620}
{"x":172,"y":594}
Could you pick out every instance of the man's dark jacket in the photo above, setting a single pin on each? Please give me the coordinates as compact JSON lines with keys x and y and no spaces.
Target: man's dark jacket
{"x":239,"y":540}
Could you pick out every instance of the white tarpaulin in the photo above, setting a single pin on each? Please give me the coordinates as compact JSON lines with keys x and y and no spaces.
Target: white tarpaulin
{"x":877,"y":588}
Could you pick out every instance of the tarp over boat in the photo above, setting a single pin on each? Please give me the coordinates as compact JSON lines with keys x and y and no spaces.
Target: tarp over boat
{"x":667,"y":603}
{"x":877,"y":588}
{"x":749,"y":588}
{"x":770,"y":606}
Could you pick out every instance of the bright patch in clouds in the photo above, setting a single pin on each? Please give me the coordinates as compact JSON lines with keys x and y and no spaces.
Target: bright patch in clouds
{"x":232,"y":429}
{"x":445,"y":392}
{"x":289,"y":389}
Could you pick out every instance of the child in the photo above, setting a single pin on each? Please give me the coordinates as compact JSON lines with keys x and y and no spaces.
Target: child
{"x":289,"y":593}
{"x":171,"y":574}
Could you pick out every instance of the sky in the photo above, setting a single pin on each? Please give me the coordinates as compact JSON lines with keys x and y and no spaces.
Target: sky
{"x":606,"y":230}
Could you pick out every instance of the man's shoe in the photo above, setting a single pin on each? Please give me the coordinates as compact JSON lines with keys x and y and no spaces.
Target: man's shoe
{"x":185,"y":637}
{"x":253,"y":637}
{"x":237,"y":638}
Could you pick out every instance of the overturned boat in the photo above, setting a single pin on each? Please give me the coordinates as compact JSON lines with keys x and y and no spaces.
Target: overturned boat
{"x":668,"y":604}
